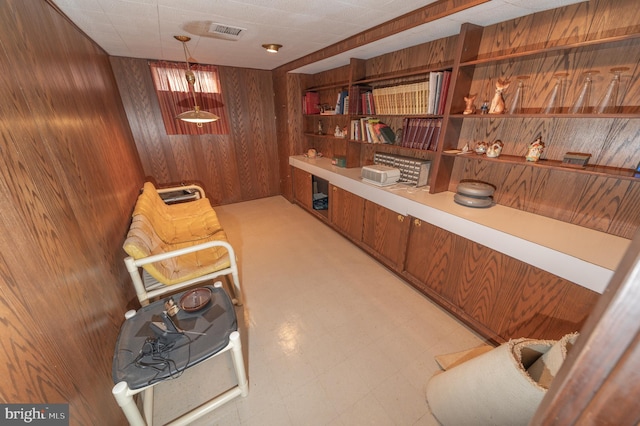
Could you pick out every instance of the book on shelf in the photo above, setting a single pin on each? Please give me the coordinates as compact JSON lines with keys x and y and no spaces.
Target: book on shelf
{"x":368,"y":105}
{"x":444,"y":91}
{"x":311,"y":103}
{"x":409,"y":132}
{"x":403,"y":99}
{"x":433,"y":140}
{"x":355,"y":95}
{"x":340,"y":102}
{"x":421,"y":133}
{"x":426,"y":139}
{"x":371,"y":130}
{"x":435,"y":91}
{"x":386,"y":133}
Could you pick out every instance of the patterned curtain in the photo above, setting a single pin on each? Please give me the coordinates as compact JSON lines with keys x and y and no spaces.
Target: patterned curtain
{"x":175,"y":97}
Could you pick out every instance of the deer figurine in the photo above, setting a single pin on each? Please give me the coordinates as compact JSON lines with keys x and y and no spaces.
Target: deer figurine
{"x":470,"y":107}
{"x":497,"y":103}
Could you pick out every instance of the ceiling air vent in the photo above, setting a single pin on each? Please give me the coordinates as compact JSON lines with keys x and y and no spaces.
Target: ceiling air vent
{"x":225,"y":31}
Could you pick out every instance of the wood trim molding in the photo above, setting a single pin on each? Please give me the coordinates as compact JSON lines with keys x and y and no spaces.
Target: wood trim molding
{"x":436,"y":10}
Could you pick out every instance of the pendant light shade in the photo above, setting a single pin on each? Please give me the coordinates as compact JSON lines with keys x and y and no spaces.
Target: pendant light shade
{"x":196,"y":115}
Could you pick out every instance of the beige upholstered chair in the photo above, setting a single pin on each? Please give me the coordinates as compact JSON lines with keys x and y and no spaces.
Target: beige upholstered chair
{"x":174,"y":246}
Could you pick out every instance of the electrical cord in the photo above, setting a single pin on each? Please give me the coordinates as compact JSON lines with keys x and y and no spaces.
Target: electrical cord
{"x":154,"y":354}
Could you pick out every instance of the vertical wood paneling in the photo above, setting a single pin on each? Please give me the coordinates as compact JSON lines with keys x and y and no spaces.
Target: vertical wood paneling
{"x":602,"y":203}
{"x":240,"y":166}
{"x":69,"y":174}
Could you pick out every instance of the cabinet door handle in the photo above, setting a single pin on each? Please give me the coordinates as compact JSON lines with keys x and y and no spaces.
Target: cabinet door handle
{"x":334,"y":188}
{"x":400,"y":218}
{"x":417,"y":222}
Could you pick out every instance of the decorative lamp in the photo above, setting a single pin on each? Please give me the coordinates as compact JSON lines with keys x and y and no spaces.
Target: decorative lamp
{"x":196,"y":115}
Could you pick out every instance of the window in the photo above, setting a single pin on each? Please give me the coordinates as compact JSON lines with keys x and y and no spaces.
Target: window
{"x":174,"y":97}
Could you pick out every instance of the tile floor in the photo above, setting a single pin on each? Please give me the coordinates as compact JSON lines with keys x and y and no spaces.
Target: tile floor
{"x":330,"y":336}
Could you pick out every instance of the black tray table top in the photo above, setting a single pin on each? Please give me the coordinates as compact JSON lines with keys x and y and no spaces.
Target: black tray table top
{"x":133,"y":361}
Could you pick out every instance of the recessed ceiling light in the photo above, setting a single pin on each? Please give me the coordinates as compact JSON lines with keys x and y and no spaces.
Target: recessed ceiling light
{"x":272,"y":48}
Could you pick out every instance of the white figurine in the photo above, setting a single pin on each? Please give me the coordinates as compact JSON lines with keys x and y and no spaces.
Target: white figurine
{"x":480,"y":148}
{"x":495,"y":149}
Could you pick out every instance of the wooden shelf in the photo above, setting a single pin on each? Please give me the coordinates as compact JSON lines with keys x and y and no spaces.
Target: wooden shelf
{"x":627,"y":174}
{"x":560,"y":48}
{"x":571,"y":40}
{"x":332,"y":86}
{"x":404,"y":74}
{"x":533,"y":115}
{"x":396,"y":115}
{"x":316,"y":135}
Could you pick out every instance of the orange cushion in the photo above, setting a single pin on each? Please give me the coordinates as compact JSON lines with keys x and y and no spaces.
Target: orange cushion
{"x":177,"y":223}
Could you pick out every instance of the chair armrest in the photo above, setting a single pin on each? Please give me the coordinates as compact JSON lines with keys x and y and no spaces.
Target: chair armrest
{"x":189,"y":192}
{"x":186,"y":250}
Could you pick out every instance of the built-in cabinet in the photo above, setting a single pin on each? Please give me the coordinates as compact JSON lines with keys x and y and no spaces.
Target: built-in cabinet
{"x":495,"y":294}
{"x":550,"y":54}
{"x":543,"y":56}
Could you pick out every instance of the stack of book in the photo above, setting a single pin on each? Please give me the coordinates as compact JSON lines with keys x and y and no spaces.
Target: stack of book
{"x":421,"y":133}
{"x":405,"y":99}
{"x":371,"y":130}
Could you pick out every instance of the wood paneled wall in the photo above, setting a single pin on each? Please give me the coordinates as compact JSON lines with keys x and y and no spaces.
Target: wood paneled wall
{"x":69,"y":175}
{"x":240,"y":166}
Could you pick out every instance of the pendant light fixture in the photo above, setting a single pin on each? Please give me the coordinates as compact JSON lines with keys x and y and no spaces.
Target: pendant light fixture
{"x":196,"y":115}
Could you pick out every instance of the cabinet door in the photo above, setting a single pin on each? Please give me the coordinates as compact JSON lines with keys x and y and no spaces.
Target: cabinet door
{"x":385,"y":232}
{"x":431,"y":259}
{"x":302,"y":188}
{"x":346,"y":212}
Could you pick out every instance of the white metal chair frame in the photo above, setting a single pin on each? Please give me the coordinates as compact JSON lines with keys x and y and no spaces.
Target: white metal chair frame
{"x":148,"y":288}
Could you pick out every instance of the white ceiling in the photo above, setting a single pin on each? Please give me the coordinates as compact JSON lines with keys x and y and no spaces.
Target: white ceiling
{"x":145,"y":28}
